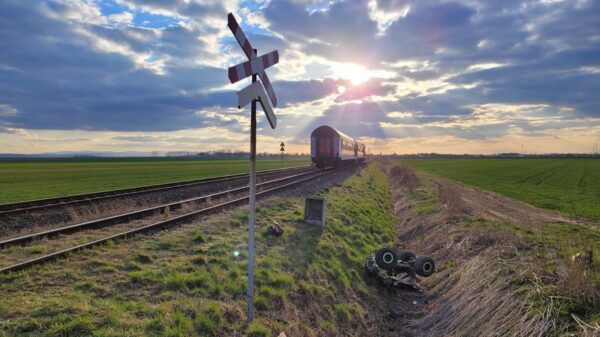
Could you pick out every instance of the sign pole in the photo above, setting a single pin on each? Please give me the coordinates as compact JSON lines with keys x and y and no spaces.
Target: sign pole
{"x":263,"y":93}
{"x":252,"y":206}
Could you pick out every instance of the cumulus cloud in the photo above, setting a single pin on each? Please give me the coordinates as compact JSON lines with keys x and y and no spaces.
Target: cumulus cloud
{"x":7,"y":110}
{"x":477,"y":70}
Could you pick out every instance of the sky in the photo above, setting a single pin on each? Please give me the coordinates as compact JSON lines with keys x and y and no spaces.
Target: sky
{"x":400,"y":76}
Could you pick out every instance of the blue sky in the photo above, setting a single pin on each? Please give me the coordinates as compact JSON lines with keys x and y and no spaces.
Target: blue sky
{"x":402,"y":76}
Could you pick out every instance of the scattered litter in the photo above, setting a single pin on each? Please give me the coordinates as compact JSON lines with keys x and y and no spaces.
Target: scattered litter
{"x":276,"y":229}
{"x":587,"y":258}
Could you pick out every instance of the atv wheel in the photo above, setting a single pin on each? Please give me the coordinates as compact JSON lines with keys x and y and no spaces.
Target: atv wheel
{"x":386,"y":258}
{"x":406,"y":256}
{"x":424,"y":266}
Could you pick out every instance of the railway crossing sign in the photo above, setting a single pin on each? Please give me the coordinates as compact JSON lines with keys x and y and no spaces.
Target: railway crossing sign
{"x":263,"y":93}
{"x":272,"y":57}
{"x":251,"y":93}
{"x":256,"y":65}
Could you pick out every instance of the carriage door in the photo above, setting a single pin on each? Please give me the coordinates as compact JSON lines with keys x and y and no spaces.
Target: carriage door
{"x":324,"y":146}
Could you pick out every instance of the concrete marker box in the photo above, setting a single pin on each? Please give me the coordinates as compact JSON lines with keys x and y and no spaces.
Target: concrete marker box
{"x":314,"y":210}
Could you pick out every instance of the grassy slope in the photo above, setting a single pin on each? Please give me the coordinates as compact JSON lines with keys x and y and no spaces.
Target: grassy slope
{"x":571,"y":186}
{"x":534,"y":284}
{"x":187,"y":281}
{"x":35,"y":179}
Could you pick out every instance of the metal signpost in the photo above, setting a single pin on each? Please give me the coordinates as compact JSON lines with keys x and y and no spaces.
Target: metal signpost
{"x":282,"y":149}
{"x":262,"y":92}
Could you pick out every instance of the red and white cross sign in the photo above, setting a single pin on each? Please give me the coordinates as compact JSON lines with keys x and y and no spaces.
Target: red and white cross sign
{"x":271,"y":58}
{"x":256,"y":65}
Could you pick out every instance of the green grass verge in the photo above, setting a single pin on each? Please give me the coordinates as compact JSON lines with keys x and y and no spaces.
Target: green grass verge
{"x":37,"y":179}
{"x":190,"y":281}
{"x":568,"y":185}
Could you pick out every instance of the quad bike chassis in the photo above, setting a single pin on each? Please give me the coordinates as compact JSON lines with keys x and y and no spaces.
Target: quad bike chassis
{"x":398,"y":268}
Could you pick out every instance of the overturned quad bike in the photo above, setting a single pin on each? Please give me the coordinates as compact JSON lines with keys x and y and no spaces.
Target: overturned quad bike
{"x":399,"y":268}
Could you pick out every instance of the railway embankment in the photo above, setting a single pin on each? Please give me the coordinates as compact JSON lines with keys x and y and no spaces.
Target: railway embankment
{"x":190,"y":280}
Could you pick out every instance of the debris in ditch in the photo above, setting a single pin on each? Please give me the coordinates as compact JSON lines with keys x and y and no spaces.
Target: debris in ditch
{"x":399,"y":268}
{"x":396,"y":311}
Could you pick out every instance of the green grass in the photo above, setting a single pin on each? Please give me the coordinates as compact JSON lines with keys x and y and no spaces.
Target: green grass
{"x":189,"y":282}
{"x":568,"y":185}
{"x":35,"y":179}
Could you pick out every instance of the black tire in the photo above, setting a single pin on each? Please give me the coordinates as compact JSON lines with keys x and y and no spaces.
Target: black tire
{"x":386,"y":258}
{"x":424,"y":266}
{"x":406,"y":256}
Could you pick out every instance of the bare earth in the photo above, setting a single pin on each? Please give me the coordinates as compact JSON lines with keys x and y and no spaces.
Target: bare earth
{"x":494,"y":206}
{"x":468,"y":296}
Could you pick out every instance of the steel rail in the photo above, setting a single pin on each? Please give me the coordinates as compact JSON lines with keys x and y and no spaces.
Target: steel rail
{"x":119,"y":218}
{"x":25,"y":206}
{"x":155,"y":226}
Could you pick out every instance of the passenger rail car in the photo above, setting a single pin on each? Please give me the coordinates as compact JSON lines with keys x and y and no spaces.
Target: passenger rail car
{"x":330,"y":147}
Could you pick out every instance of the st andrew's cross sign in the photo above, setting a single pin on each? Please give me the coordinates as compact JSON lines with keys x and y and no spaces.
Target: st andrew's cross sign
{"x":263,"y":93}
{"x":254,"y":65}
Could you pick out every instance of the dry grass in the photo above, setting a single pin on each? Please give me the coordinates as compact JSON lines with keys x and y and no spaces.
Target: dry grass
{"x":586,"y":329}
{"x":450,"y":197}
{"x":497,"y":278}
{"x":574,"y":282}
{"x":474,"y":300}
{"x":402,"y":175}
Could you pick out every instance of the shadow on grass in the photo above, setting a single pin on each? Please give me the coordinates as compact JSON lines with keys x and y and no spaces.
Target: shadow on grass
{"x":302,"y":246}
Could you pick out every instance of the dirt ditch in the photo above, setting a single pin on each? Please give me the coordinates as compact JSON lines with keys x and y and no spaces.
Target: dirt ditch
{"x":479,"y":289}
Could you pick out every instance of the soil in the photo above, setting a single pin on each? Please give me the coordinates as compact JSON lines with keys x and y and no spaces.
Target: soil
{"x":493,"y":206}
{"x":468,"y":295}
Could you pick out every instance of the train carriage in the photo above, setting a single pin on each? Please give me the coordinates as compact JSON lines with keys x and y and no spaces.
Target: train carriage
{"x":331,"y":147}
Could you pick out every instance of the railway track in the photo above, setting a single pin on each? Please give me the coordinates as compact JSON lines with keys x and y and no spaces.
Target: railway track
{"x":12,"y":209}
{"x":233,"y":197}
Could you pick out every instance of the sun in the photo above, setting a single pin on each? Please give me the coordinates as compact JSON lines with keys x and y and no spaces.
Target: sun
{"x":352,"y":72}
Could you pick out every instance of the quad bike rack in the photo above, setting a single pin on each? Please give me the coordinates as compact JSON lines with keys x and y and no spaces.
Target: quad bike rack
{"x":399,"y":268}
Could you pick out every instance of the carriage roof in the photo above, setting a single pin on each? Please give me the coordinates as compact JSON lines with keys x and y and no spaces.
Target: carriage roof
{"x":326,"y":130}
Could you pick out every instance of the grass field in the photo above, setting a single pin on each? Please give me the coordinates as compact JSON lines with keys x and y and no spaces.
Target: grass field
{"x":189,"y":282}
{"x":34,"y":179}
{"x":569,"y":185}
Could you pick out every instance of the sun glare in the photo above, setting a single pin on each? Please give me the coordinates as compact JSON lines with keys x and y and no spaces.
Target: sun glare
{"x":352,"y":72}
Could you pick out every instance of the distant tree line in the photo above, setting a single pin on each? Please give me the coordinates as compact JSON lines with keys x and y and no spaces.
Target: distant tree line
{"x":497,"y":155}
{"x":221,"y":154}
